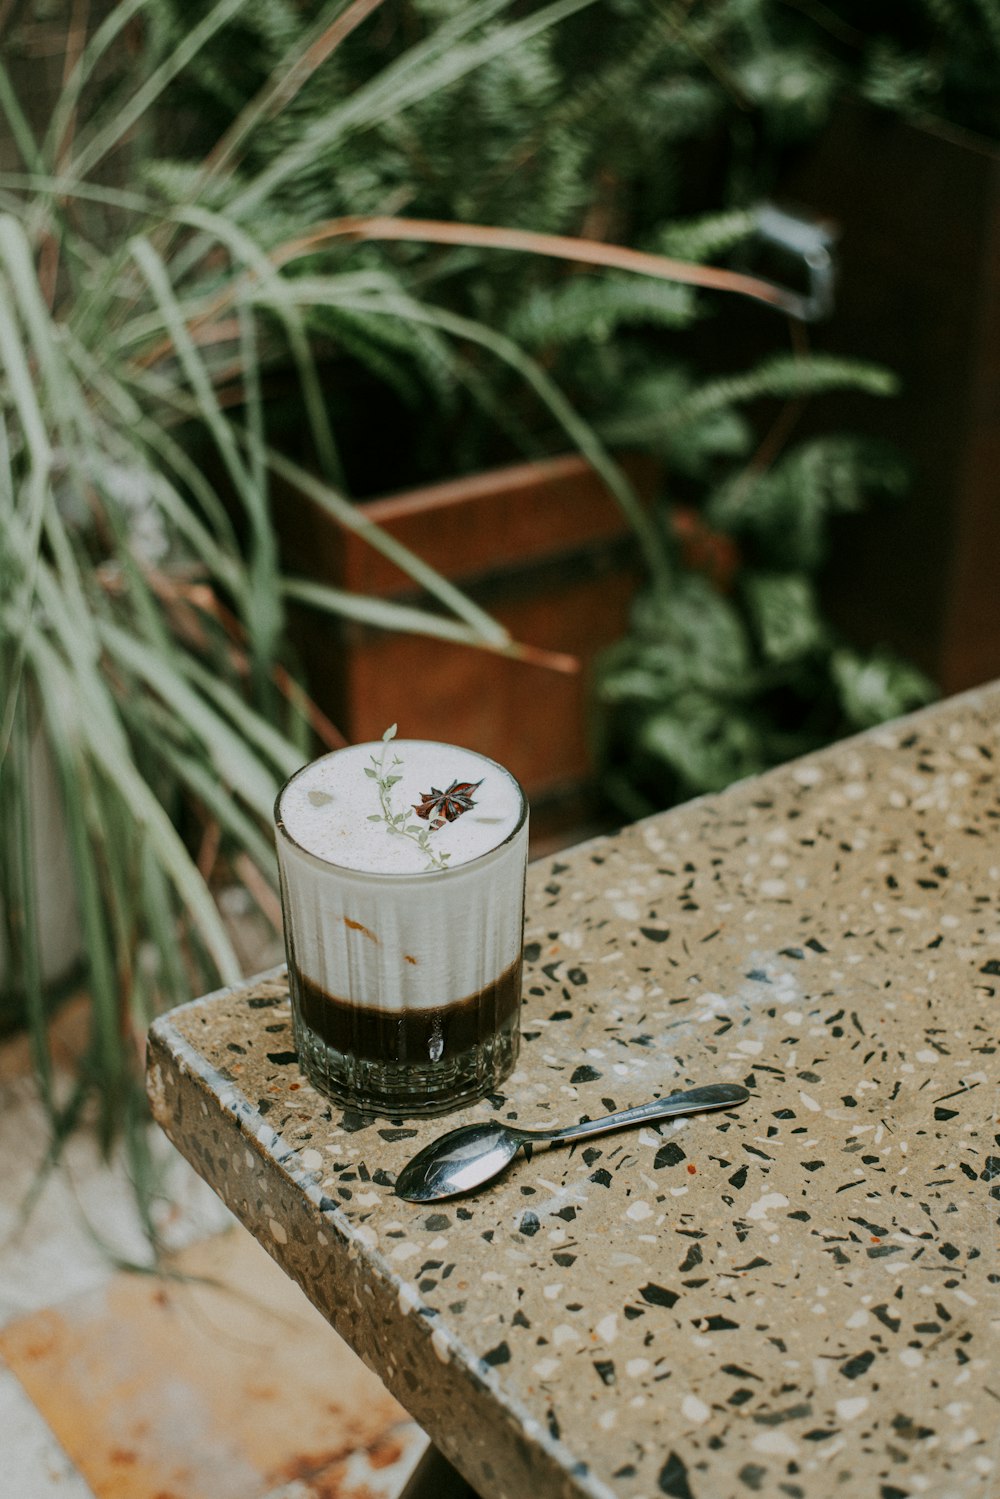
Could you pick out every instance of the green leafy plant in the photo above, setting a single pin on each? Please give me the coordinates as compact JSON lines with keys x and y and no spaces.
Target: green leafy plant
{"x":228,"y":213}
{"x":598,"y":124}
{"x":145,"y":306}
{"x":733,"y":667}
{"x":142,"y":599}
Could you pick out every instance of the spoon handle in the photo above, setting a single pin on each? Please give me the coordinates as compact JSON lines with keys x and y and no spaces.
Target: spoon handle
{"x":693,"y":1101}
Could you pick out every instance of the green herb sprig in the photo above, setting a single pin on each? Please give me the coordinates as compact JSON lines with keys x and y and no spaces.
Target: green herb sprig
{"x":399,"y":823}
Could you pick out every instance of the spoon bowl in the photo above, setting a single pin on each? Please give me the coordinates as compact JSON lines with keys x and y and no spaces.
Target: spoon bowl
{"x":472,"y":1155}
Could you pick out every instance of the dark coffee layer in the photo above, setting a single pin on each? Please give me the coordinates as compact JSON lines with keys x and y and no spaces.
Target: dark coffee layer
{"x":439,"y":1034}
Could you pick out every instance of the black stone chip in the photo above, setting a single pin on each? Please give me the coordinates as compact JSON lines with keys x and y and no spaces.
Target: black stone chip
{"x":878,"y":1229}
{"x":908,"y":1428}
{"x":858,"y":1365}
{"x":585,"y":1074}
{"x":655,"y":933}
{"x":778,"y":1418}
{"x":673,"y":1479}
{"x":658,"y":1295}
{"x":670,"y":1154}
{"x":498,"y":1355}
{"x":753,"y":1475}
{"x":282,"y":1058}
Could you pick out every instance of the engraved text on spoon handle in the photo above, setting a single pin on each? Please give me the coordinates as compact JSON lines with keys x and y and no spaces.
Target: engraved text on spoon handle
{"x":693,"y":1101}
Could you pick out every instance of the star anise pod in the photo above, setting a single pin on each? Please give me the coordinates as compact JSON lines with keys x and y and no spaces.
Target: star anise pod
{"x":444,"y":806}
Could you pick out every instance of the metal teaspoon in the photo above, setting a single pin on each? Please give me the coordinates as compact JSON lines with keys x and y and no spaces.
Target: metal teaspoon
{"x":467,"y":1157}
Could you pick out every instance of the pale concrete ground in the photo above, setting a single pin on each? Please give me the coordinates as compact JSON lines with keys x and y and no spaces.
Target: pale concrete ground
{"x":220,"y":1382}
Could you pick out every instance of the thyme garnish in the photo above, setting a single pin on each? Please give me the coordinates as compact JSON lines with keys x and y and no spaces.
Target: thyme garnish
{"x":399,"y":824}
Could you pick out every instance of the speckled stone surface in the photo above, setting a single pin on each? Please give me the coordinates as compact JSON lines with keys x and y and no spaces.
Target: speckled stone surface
{"x":800,"y":1297}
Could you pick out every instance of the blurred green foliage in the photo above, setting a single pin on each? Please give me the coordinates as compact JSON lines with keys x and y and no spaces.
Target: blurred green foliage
{"x":181,"y":334}
{"x":660,"y":126}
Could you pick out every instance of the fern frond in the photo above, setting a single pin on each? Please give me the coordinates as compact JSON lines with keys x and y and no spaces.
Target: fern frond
{"x":787,"y":377}
{"x":410,"y":359}
{"x":705,"y":237}
{"x":643,"y":417}
{"x":785,"y":510}
{"x":594,"y":307}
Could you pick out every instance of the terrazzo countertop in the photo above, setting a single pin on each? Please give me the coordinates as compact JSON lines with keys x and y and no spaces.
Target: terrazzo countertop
{"x":799,"y":1297}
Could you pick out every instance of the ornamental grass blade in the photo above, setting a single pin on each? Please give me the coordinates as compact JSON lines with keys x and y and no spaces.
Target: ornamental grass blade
{"x":90,"y":890}
{"x":424,"y":69}
{"x":384,"y":614}
{"x":90,"y":721}
{"x":19,"y":898}
{"x":21,"y":386}
{"x":292,"y":73}
{"x":235,"y":765}
{"x":253,"y":727}
{"x":583,"y":436}
{"x":95,"y":144}
{"x":352,"y":517}
{"x":155,"y":272}
{"x":118,"y":19}
{"x":21,"y":132}
{"x":245,"y":833}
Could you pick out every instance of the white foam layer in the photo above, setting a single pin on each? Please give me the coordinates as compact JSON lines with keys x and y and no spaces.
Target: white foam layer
{"x":371,"y":932}
{"x":327,"y":806}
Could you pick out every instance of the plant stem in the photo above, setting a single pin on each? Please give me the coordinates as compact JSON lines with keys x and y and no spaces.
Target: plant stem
{"x":397,"y":823}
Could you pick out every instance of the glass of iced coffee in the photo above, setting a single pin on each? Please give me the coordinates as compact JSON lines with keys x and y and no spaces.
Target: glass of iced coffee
{"x":402,"y":869}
